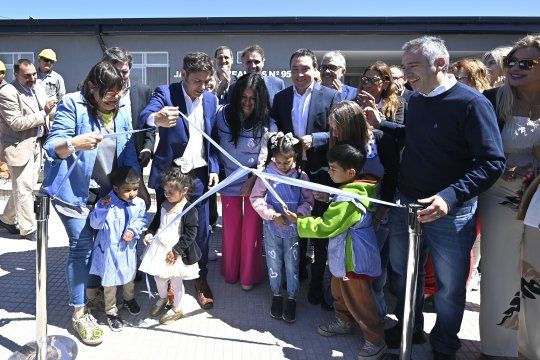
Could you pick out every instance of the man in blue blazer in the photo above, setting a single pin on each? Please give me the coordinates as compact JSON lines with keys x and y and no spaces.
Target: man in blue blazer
{"x":303,"y":110}
{"x":333,"y":69}
{"x":253,"y":61}
{"x":182,"y":145}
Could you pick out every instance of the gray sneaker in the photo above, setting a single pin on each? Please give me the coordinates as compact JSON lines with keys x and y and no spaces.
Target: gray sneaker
{"x":337,"y":327}
{"x":371,"y":351}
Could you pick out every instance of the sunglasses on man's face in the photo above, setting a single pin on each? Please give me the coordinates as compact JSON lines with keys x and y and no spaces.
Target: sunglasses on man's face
{"x":523,"y":64}
{"x":374,"y":80}
{"x":330,"y":67}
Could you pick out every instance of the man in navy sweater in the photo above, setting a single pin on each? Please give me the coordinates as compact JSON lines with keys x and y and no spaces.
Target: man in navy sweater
{"x":453,"y":151}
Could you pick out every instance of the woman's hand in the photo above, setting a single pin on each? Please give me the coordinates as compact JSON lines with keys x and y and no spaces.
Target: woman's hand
{"x":86,"y":142}
{"x":171,"y":257}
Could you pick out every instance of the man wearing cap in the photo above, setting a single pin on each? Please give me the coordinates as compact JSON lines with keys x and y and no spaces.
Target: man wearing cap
{"x":24,"y":110}
{"x":52,"y":82}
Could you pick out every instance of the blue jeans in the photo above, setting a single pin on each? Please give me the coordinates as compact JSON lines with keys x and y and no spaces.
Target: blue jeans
{"x":449,"y":240}
{"x":278,"y":249}
{"x":81,"y":241}
{"x":378,"y":284}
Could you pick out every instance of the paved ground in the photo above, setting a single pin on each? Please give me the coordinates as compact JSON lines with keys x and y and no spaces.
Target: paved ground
{"x":239,"y":326}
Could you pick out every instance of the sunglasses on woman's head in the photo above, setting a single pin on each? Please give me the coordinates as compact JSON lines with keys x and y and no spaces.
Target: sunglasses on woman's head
{"x":523,"y":64}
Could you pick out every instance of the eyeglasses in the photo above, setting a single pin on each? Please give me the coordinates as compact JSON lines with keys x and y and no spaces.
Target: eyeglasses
{"x":112,"y":96}
{"x":523,"y":64}
{"x":330,"y":67}
{"x":374,"y":80}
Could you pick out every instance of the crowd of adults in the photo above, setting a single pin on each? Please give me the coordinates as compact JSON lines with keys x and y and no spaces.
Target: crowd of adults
{"x":462,"y":138}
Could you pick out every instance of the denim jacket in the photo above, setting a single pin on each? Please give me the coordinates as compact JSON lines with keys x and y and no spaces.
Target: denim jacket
{"x":71,"y":119}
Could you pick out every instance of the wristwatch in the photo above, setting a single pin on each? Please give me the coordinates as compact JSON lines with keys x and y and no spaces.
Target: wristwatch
{"x":70,"y":146}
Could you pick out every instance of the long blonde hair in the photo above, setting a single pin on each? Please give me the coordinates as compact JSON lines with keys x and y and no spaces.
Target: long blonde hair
{"x":507,"y":94}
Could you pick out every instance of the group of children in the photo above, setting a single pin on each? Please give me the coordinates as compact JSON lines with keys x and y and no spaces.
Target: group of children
{"x":171,"y":253}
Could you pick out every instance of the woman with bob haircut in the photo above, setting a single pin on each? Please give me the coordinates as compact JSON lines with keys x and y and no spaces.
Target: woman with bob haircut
{"x":471,"y":72}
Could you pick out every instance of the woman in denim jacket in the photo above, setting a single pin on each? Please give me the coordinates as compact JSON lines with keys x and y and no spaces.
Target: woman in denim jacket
{"x":82,"y":122}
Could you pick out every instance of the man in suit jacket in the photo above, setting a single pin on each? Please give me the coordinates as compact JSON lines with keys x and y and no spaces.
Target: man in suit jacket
{"x":182,"y":145}
{"x":333,"y":69}
{"x":24,"y":110}
{"x":253,"y":61}
{"x":303,"y":110}
{"x":138,"y":96}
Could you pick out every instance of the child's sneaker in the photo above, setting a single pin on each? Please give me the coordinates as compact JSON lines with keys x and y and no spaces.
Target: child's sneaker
{"x":337,"y":327}
{"x":276,"y":311}
{"x":88,"y":330}
{"x":132,"y":306}
{"x":371,"y":351}
{"x":171,"y":316}
{"x":159,"y":307}
{"x":289,"y":314}
{"x":115,"y":323}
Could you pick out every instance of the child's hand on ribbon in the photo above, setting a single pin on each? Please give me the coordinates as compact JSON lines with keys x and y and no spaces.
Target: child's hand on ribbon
{"x":291,"y":216}
{"x":280,"y":221}
{"x":128,"y":236}
{"x":171,"y":257}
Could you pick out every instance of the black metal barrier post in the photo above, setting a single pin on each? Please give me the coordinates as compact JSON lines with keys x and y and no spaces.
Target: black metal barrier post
{"x":415,"y":232}
{"x":52,"y":347}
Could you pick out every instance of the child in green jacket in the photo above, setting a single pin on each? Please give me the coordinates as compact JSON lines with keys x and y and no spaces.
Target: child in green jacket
{"x":353,"y":252}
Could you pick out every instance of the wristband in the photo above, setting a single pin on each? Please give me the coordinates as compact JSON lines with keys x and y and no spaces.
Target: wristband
{"x":70,"y":146}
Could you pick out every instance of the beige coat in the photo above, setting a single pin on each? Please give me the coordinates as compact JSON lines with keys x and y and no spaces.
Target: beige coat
{"x":19,"y":122}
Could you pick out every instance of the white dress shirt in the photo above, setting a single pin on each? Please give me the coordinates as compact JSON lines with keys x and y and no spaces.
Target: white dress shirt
{"x":300,"y":110}
{"x":447,"y":85}
{"x":193,"y":156}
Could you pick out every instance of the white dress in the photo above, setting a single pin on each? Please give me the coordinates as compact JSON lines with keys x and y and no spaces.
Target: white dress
{"x":153,"y":262}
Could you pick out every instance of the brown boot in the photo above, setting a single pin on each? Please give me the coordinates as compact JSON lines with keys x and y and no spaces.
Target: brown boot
{"x":204,"y":294}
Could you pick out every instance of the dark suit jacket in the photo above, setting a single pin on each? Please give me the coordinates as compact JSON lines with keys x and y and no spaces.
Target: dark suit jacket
{"x":139,"y":97}
{"x":173,"y":141}
{"x":322,"y":100}
{"x":273,"y":85}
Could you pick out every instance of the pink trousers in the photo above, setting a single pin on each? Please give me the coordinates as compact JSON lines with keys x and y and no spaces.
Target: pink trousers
{"x":241,"y":241}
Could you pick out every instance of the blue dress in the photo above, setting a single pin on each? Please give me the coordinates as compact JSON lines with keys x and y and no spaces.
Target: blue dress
{"x":113,"y":259}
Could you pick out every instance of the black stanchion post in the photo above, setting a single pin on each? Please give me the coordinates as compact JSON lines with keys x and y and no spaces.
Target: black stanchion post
{"x":52,"y":347}
{"x":415,"y":232}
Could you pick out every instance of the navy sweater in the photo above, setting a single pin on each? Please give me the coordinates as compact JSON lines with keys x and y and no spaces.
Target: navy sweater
{"x":453,"y":146}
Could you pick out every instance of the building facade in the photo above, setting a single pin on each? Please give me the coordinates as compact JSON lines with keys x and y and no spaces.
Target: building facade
{"x":158,"y":45}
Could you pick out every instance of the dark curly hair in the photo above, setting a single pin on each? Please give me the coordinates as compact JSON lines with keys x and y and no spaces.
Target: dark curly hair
{"x":174,"y":176}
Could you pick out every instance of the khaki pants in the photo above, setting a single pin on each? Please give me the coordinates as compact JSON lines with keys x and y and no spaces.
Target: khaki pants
{"x":354,"y":301}
{"x":109,"y":293}
{"x":20,"y":206}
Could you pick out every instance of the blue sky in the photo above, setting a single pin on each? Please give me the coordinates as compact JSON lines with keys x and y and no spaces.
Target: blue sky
{"x":74,"y":9}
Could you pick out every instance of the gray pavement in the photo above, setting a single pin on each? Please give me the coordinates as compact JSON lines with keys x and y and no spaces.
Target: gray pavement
{"x":238,"y":327}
